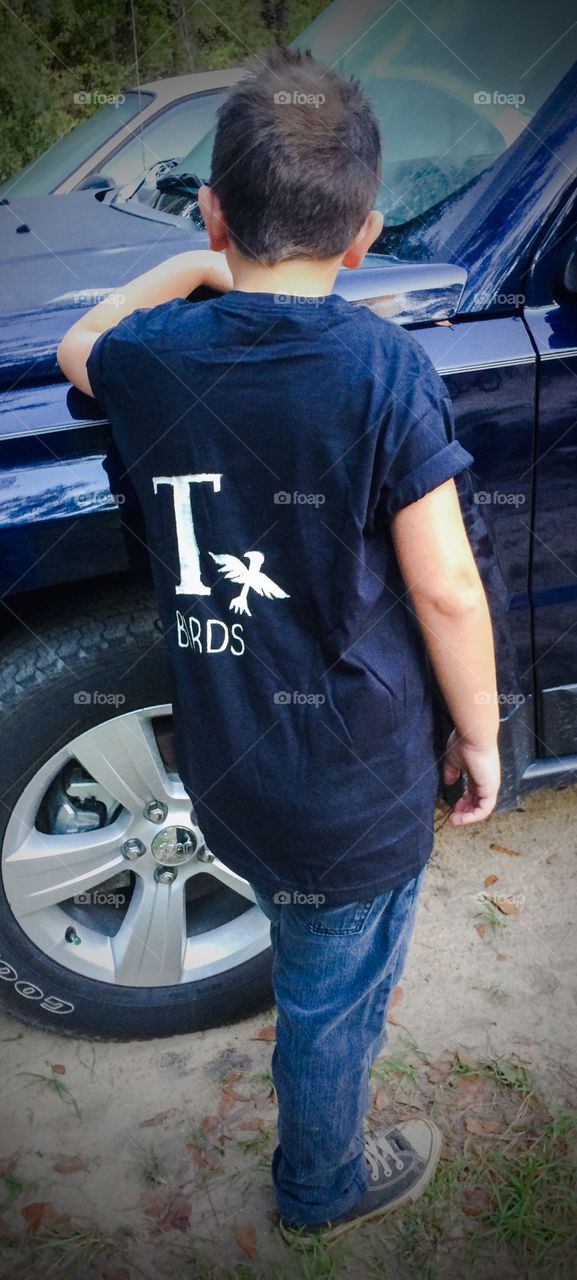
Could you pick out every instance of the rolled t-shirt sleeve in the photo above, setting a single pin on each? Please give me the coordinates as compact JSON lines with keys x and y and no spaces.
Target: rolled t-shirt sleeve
{"x":121,"y":359}
{"x":419,"y":449}
{"x":95,"y":368}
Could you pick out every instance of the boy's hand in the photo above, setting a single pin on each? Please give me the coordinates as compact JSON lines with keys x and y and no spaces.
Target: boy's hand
{"x":217,"y":273}
{"x":483,"y":772}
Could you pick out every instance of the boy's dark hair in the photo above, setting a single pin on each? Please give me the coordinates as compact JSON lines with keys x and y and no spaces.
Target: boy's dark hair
{"x":296,"y":160}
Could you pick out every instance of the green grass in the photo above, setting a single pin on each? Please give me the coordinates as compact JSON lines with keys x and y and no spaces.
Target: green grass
{"x":53,"y":1084}
{"x":493,"y":917}
{"x":527,"y":1227}
{"x":401,"y":1063}
{"x":12,"y":1187}
{"x":534,"y":1198}
{"x":65,"y":1256}
{"x":150,"y":1165}
{"x":319,"y":1261}
{"x":494,"y":993}
{"x":501,"y":1071}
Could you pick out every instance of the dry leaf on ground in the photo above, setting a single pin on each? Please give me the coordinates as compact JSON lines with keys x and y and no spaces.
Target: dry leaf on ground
{"x":482,"y":1128}
{"x":41,"y":1213}
{"x":70,"y":1164}
{"x":158,"y":1119}
{"x":507,"y":906}
{"x":246,"y":1238}
{"x":170,"y":1212}
{"x":475,"y":1201}
{"x":502,"y":848}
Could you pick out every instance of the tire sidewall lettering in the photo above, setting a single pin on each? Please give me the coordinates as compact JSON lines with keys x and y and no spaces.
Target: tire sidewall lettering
{"x":29,"y":990}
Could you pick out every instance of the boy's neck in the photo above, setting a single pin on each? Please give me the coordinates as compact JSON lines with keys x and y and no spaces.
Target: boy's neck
{"x":300,"y":278}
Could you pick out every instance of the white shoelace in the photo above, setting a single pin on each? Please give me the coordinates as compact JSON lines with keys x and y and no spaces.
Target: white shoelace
{"x":379,"y":1153}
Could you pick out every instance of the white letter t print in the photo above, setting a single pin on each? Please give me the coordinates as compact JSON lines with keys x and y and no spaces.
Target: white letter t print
{"x":191,"y":583}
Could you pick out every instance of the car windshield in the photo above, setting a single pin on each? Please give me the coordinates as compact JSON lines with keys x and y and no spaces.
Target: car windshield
{"x":42,"y":176}
{"x":453,"y":86}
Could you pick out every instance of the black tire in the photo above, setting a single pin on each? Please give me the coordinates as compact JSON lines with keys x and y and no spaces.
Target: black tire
{"x":106,"y":641}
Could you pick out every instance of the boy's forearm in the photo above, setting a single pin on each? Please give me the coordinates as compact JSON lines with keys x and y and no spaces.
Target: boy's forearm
{"x":460,"y":645}
{"x":176,"y":278}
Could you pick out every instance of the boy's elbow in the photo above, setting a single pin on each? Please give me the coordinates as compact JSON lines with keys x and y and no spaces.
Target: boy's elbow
{"x":65,"y":356}
{"x":61,"y":356}
{"x":458,"y":599}
{"x":71,"y":356}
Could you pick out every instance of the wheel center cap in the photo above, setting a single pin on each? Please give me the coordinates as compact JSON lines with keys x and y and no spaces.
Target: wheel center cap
{"x":174,"y":845}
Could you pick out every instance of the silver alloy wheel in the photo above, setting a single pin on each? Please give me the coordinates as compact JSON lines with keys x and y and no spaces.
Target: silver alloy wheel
{"x":44,"y":872}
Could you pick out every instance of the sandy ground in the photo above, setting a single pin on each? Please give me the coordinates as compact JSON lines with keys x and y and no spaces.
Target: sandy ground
{"x":166,"y":1162}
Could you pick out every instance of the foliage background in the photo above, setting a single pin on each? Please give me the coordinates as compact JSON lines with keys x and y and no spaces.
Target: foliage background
{"x":52,"y":49}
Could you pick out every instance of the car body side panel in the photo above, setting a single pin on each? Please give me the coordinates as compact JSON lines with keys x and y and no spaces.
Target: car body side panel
{"x":554,"y":585}
{"x":490,"y":369}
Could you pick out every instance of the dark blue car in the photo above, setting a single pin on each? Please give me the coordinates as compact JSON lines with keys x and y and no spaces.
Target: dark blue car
{"x":479,"y":257}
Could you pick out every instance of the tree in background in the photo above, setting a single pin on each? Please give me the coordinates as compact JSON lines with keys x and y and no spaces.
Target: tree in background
{"x":56,"y":48}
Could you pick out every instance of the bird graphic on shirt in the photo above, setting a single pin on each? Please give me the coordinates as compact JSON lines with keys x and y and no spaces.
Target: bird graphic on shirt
{"x":250,"y":577}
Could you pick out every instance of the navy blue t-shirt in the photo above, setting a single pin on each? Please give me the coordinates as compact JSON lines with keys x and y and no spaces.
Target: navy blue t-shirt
{"x":269,"y":443}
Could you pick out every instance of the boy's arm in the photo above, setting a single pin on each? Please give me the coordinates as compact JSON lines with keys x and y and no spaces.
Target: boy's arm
{"x":438,"y":567}
{"x":176,"y":278}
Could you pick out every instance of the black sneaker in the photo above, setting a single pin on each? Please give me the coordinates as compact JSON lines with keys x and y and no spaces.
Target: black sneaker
{"x":400,"y":1164}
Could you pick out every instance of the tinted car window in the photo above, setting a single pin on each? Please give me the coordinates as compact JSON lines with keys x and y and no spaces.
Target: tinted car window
{"x":170,"y":134}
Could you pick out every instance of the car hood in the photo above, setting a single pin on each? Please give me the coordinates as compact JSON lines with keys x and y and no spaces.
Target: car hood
{"x":58,"y":256}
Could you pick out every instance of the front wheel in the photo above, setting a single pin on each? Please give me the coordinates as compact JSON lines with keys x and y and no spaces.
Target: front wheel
{"x":116,"y":921}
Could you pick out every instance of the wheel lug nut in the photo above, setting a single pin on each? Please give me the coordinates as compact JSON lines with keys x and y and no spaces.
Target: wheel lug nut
{"x":165,"y":875}
{"x":132,"y":849}
{"x":156,"y":811}
{"x":204,"y":855}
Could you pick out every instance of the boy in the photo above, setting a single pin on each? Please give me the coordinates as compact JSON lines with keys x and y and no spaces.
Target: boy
{"x":295,"y":462}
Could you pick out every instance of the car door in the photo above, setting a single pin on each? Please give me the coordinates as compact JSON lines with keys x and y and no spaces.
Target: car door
{"x":489,"y":367}
{"x":551,"y":319}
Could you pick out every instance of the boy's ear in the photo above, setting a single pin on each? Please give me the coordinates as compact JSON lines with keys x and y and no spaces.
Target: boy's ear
{"x":369,"y":232}
{"x":214,"y":222}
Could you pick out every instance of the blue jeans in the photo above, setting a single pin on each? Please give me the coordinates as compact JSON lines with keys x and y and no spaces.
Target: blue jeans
{"x":333,"y":971}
